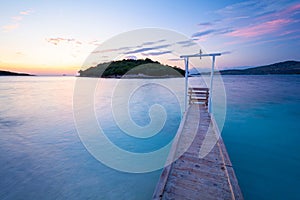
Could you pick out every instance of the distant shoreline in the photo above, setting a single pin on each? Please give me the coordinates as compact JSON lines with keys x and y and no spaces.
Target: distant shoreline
{"x":8,"y":73}
{"x":287,"y":68}
{"x":155,"y":70}
{"x":137,"y":77}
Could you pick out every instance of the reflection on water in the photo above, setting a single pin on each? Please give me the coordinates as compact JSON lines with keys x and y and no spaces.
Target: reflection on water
{"x":41,"y":156}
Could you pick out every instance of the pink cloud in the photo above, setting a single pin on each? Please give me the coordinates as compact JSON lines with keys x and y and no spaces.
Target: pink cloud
{"x":286,"y":12}
{"x":15,"y":21}
{"x":293,"y":8}
{"x":260,"y":29}
{"x":58,"y":40}
{"x":95,"y":42}
{"x":287,"y":32}
{"x":26,"y":12}
{"x":10,"y":27}
{"x":274,"y":40}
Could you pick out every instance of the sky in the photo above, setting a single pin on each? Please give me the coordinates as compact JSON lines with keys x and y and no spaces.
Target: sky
{"x":56,"y":37}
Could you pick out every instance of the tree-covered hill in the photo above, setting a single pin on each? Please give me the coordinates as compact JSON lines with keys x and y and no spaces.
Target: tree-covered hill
{"x":132,"y":69}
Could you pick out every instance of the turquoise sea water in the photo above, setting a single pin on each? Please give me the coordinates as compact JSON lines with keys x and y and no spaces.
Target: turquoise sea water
{"x":42,"y":157}
{"x":262,"y":133}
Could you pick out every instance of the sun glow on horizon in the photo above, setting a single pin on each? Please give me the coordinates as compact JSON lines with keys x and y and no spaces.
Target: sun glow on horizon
{"x":40,"y":70}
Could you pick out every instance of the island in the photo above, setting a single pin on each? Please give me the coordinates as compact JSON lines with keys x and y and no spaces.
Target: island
{"x":8,"y":73}
{"x":129,"y":68}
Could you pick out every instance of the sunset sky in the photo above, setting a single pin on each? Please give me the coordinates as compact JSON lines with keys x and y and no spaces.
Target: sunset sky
{"x":55,"y":37}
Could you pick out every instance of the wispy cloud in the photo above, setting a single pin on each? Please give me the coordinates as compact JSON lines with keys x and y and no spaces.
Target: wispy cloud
{"x":205,"y":24}
{"x":249,"y":9}
{"x":25,"y":12}
{"x":146,"y":46}
{"x":140,"y":50}
{"x":94,"y":42}
{"x":232,"y":10}
{"x":158,"y":53}
{"x":260,"y":29}
{"x":293,"y":8}
{"x":270,"y":22}
{"x":144,"y":49}
{"x":186,"y":43}
{"x":175,"y":59}
{"x":105,"y":51}
{"x":203,"y":33}
{"x":115,"y":50}
{"x":251,"y":20}
{"x":59,"y":40}
{"x":15,"y":21}
{"x":290,"y":37}
{"x":153,"y":43}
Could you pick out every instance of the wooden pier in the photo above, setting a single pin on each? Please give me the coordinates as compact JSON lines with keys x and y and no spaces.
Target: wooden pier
{"x":204,"y":170}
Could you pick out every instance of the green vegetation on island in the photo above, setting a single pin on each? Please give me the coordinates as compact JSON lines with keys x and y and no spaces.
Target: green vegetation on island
{"x":8,"y":73}
{"x":128,"y":68}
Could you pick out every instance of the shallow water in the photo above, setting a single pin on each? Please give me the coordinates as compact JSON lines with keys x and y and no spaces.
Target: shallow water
{"x":42,"y":156}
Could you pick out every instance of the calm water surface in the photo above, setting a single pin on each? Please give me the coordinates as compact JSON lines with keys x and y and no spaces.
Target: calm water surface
{"x":262,"y":134}
{"x":42,"y":157}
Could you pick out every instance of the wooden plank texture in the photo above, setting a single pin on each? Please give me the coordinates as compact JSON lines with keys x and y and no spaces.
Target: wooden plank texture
{"x":202,"y":171}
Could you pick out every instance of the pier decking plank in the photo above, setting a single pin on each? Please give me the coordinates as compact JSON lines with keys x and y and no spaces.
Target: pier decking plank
{"x":195,"y":175}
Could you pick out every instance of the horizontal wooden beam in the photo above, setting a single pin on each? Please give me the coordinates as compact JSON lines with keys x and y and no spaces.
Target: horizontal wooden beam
{"x":200,"y":55}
